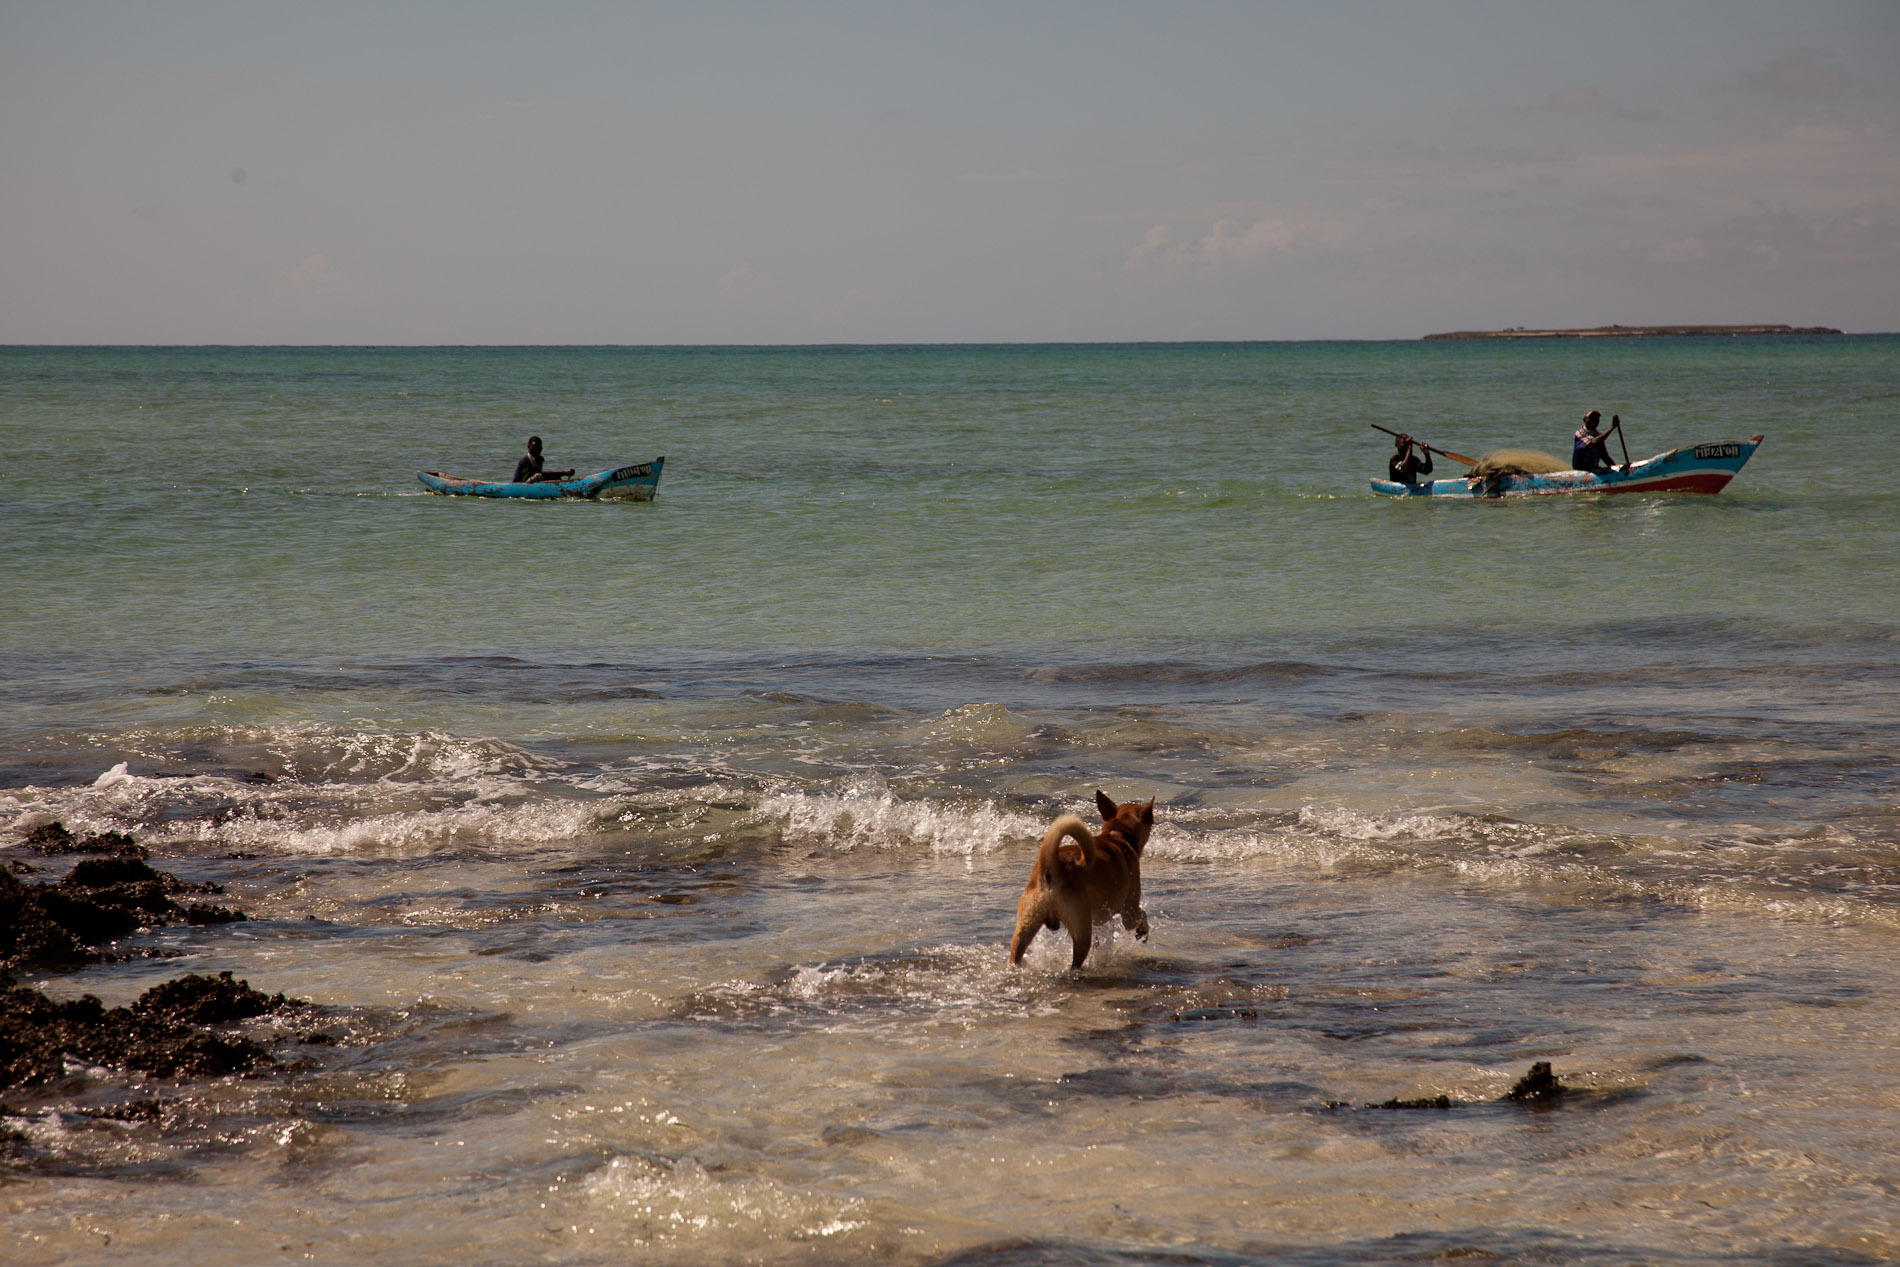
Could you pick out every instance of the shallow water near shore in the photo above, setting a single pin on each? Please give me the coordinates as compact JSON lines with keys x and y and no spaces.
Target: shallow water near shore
{"x":654,"y":864}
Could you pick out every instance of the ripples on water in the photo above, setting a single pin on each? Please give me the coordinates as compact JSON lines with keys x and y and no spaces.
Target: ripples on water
{"x":653,"y":866}
{"x":721,"y":974}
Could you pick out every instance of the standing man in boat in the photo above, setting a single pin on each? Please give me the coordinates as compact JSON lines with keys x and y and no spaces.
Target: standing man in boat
{"x":528,"y":469}
{"x":1590,"y":448}
{"x":1409,"y":460}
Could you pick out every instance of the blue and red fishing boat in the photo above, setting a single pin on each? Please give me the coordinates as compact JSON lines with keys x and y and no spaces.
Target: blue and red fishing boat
{"x":1695,"y":468}
{"x":636,"y":483}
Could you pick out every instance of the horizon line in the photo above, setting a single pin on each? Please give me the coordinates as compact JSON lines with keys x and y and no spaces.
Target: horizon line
{"x":944,"y":343}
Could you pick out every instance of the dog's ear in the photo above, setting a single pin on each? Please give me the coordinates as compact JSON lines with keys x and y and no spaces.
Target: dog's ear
{"x":1148,"y":812}
{"x":1104,"y":804}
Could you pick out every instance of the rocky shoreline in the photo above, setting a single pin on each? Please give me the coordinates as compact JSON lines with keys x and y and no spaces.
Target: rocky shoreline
{"x":178,"y":1028}
{"x":150,"y":1064}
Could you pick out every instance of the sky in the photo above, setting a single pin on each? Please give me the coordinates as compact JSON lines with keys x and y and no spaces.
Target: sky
{"x":434,"y":172}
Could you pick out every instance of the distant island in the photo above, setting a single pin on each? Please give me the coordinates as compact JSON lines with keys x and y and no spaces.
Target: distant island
{"x":1630,"y":332}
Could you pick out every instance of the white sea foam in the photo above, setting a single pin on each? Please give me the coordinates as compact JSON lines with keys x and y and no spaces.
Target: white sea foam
{"x":870,"y":816}
{"x":402,"y":832}
{"x":1328,"y":834}
{"x":425,"y":795}
{"x":953,"y":984}
{"x":328,"y":753}
{"x":368,"y":793}
{"x":663,"y":1200}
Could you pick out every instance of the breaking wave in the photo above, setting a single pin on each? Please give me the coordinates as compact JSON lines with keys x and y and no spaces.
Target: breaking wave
{"x":323,"y":790}
{"x":870,"y":816}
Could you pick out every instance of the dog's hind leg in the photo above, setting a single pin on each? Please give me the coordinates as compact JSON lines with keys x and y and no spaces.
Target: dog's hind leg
{"x":1074,"y":909}
{"x":1019,"y":944}
{"x":1034,"y":911}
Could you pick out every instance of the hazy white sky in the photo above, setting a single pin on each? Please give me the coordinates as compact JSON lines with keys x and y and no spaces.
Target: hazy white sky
{"x":464,"y":172}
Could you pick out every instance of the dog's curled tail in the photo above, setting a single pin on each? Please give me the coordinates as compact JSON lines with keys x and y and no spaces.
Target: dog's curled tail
{"x":1054,"y":854}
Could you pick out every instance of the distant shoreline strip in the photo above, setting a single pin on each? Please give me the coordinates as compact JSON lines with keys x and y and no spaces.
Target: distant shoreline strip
{"x":1631,"y":332}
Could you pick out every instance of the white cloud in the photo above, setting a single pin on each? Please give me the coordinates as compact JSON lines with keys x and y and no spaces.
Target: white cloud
{"x":1233,"y":243}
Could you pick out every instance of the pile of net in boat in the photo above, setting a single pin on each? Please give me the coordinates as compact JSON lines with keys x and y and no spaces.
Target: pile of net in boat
{"x":1517,"y":462}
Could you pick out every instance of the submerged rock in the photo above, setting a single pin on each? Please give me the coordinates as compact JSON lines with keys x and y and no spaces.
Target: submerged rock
{"x":101,"y":899}
{"x":1540,"y":1085}
{"x":54,"y":838}
{"x":164,"y":1032}
{"x":1429,"y":1102}
{"x":204,"y":913}
{"x":169,"y":1030}
{"x":202,"y":1000}
{"x":34,"y":932}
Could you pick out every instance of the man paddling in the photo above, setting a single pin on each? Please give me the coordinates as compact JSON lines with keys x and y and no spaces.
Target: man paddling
{"x":1590,"y":448}
{"x":1409,"y":460}
{"x":529,"y":469}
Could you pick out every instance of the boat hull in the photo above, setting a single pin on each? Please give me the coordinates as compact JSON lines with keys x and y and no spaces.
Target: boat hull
{"x":636,"y":483}
{"x":1695,"y":468}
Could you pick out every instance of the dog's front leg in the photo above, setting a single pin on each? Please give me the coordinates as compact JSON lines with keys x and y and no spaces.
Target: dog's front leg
{"x":1135,"y":920}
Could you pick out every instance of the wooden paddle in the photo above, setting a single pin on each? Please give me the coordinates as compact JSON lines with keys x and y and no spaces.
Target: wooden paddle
{"x":1429,"y":448}
{"x":1616,"y":425}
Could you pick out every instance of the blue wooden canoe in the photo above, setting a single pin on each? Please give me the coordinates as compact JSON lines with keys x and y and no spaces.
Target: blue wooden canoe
{"x":1696,"y":468}
{"x":636,"y":483}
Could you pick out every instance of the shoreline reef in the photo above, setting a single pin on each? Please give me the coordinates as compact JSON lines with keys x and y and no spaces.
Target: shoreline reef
{"x":1633,"y":332}
{"x":179,"y":1028}
{"x":137,"y":1063}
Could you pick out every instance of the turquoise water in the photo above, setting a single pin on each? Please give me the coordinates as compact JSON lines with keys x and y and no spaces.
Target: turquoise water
{"x":657,"y":860}
{"x":915,"y":499}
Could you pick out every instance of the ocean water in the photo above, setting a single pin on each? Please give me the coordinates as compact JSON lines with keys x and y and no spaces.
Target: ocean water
{"x":656,"y":862}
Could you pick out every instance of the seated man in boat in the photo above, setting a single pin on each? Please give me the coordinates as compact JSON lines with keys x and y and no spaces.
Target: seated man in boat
{"x":529,"y":469}
{"x":1409,"y":461}
{"x":1590,"y":448}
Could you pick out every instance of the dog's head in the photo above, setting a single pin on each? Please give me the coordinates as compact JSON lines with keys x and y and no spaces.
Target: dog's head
{"x":1132,"y":821}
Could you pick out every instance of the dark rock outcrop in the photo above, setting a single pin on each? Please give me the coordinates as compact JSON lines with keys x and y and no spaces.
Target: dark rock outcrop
{"x":173,"y":1029}
{"x":99,"y":901}
{"x":165,"y":1032}
{"x":1539,"y":1086}
{"x":54,"y":838}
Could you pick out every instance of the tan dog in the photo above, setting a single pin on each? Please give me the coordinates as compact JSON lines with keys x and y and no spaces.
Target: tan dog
{"x":1096,"y":877}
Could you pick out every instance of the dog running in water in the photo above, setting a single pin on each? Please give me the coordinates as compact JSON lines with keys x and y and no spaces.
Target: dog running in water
{"x":1094,"y":877}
